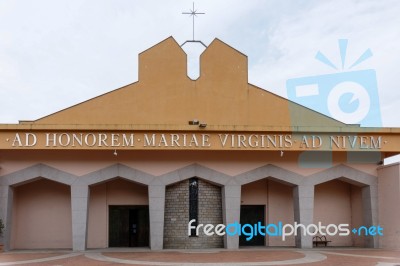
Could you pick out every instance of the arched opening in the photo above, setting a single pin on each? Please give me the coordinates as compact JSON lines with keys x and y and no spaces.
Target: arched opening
{"x":270,"y":202}
{"x":118,"y":214}
{"x":41,"y":217}
{"x":339,"y":202}
{"x":178,"y":203}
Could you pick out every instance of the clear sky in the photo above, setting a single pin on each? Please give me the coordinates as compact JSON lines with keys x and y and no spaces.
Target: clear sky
{"x":57,"y":53}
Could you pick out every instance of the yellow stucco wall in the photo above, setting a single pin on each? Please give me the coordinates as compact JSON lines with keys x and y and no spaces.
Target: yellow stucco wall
{"x":165,"y":95}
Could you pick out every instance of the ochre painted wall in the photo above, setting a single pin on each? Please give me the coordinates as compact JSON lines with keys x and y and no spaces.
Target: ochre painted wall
{"x":164,"y":95}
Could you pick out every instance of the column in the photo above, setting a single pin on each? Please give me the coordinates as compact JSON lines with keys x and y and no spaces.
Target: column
{"x":303,"y":197}
{"x":6,"y":204}
{"x":79,"y":209}
{"x":231,"y":212}
{"x":156,"y":211}
{"x":370,"y":212}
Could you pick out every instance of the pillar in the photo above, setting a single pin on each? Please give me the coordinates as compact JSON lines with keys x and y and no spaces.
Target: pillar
{"x":6,"y":204}
{"x":370,"y":212}
{"x":231,"y":212}
{"x":156,"y":211}
{"x":79,"y":209}
{"x":303,"y":197}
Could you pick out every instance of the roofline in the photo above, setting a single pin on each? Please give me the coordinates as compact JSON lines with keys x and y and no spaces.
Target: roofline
{"x":72,"y":106}
{"x":312,"y":110}
{"x":210,"y":128}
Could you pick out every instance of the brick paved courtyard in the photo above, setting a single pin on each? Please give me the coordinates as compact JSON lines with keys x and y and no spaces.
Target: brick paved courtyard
{"x":324,"y":257}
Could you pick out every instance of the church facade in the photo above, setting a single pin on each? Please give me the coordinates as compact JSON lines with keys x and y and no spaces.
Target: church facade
{"x":216,"y":162}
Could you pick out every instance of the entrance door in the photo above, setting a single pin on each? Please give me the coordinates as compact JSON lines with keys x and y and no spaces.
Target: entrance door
{"x":128,"y":226}
{"x":252,"y":214}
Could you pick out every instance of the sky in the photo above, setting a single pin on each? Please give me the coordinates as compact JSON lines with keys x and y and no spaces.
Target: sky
{"x":55,"y":53}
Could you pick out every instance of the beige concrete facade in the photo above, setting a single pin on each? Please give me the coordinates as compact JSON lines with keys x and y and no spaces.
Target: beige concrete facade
{"x":60,"y":174}
{"x":389,"y":200}
{"x":115,"y":192}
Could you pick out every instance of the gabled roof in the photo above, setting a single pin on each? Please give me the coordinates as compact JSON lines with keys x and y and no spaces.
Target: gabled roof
{"x":165,"y":95}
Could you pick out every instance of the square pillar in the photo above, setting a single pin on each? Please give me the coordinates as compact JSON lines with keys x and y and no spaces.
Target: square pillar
{"x":6,"y":205}
{"x":156,"y":211}
{"x":231,"y":212}
{"x":370,"y":213}
{"x":79,"y":209}
{"x":303,"y":197}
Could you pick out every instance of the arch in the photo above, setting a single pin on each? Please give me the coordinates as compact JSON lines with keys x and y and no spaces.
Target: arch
{"x":272,"y":172}
{"x":113,"y":171}
{"x":40,"y":208}
{"x":369,"y":192}
{"x":343,"y":173}
{"x":36,"y":171}
{"x":197,"y":170}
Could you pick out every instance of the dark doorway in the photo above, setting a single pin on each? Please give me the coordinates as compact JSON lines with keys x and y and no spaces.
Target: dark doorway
{"x":252,"y":214}
{"x":128,"y":226}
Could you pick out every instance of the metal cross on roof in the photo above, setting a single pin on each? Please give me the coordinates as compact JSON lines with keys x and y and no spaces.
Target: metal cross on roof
{"x":193,"y":12}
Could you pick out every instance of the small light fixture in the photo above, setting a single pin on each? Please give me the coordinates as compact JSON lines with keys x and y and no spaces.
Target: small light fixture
{"x":194,"y":122}
{"x":202,"y":125}
{"x":115,"y":152}
{"x":281,"y":153}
